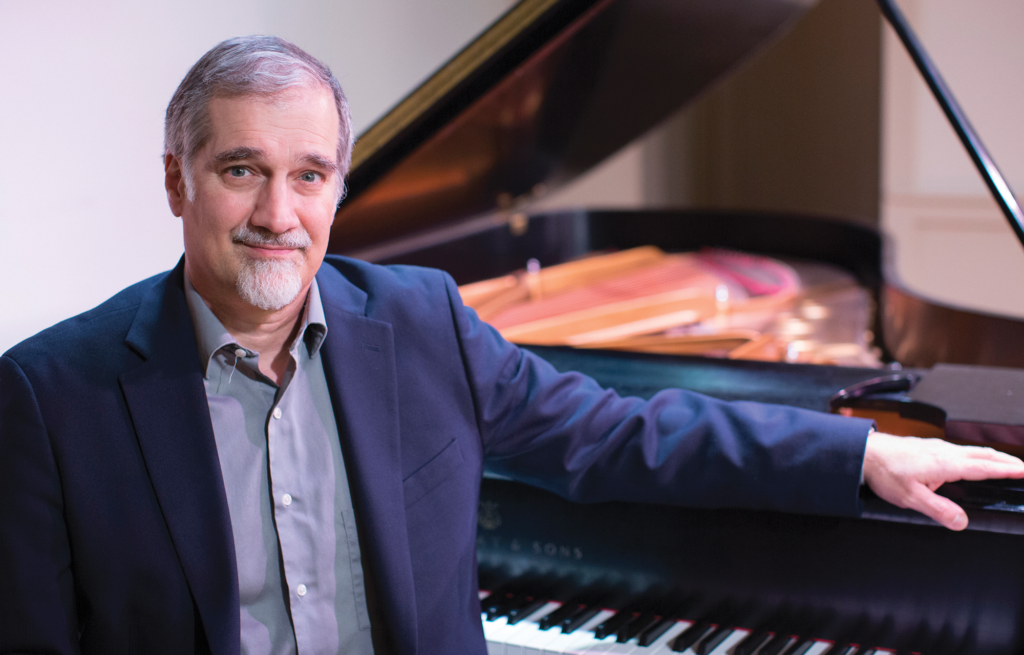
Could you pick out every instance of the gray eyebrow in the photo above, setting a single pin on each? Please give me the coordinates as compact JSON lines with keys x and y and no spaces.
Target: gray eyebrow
{"x":245,"y":152}
{"x":238,"y":154}
{"x":322,"y":162}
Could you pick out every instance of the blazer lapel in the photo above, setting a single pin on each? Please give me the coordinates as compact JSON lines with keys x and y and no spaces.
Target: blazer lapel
{"x":168,"y":408}
{"x":359,"y":362}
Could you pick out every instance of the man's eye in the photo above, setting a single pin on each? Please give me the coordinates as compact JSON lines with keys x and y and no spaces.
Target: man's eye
{"x":237,"y":171}
{"x":309,"y":176}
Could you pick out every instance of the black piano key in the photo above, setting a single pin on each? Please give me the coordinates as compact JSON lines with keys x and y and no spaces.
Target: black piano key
{"x":777,"y":645}
{"x":612,"y":624}
{"x":512,"y":604}
{"x":752,"y":642}
{"x":562,"y":613}
{"x":500,"y":605}
{"x":802,"y":646}
{"x":636,"y":626}
{"x":691,"y":635}
{"x":578,"y":619}
{"x":487,"y":605}
{"x":712,"y":641}
{"x":650,"y":635}
{"x":517,"y":614}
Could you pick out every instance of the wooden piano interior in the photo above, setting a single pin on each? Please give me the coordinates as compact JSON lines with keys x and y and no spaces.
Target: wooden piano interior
{"x":550,"y":90}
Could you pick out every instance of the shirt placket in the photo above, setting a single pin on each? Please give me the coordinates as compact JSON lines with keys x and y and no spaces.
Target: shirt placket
{"x":293,"y":516}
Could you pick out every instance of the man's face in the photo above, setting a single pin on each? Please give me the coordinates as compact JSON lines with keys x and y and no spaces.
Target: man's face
{"x":259,"y":219}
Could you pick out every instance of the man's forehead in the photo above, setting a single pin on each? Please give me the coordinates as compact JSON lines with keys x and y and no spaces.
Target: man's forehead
{"x":304,"y":116}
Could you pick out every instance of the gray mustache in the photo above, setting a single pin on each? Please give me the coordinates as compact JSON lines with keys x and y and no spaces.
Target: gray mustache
{"x":259,"y":236}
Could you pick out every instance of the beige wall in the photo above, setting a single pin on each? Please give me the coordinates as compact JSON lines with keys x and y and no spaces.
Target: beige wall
{"x":950,"y":241}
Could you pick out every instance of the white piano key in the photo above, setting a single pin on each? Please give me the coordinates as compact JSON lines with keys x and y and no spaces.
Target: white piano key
{"x":494,"y":634}
{"x":660,"y":646}
{"x":610,"y":645}
{"x":499,"y":631}
{"x":729,"y":642}
{"x":520,"y":634}
{"x":538,"y":641}
{"x":818,"y":647}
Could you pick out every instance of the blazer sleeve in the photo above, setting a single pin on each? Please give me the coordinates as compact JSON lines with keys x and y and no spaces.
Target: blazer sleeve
{"x":564,"y":433}
{"x":36,"y":586}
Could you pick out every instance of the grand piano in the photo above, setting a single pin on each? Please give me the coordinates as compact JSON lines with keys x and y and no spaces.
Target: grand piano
{"x":551,"y":89}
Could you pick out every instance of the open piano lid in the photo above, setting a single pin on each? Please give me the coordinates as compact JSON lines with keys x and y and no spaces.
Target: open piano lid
{"x":547,"y":92}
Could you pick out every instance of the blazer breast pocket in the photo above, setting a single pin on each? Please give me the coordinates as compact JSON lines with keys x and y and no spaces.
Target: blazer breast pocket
{"x":426,"y":478}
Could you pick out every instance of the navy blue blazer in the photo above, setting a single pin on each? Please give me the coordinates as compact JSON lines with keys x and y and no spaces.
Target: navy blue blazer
{"x":114,"y":527}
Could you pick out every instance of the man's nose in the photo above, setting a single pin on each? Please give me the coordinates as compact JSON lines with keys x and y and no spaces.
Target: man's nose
{"x":275,"y":207}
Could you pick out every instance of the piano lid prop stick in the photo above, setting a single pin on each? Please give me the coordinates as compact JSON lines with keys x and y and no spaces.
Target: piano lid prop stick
{"x":979,"y":154}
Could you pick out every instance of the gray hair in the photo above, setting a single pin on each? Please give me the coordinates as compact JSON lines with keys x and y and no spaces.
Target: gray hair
{"x":246,"y":66}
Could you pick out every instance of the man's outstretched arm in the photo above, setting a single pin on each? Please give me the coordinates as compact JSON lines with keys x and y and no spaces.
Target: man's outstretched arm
{"x":906,"y":471}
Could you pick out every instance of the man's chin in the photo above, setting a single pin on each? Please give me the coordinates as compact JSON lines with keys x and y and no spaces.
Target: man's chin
{"x":263,"y":284}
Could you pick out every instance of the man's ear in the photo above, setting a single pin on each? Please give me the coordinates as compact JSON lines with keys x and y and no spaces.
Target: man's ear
{"x":174,"y":183}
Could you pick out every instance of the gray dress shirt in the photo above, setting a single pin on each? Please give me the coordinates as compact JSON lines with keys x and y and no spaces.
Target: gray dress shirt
{"x":300,"y":576}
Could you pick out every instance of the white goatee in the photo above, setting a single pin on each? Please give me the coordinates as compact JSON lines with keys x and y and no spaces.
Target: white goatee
{"x":270,"y":284}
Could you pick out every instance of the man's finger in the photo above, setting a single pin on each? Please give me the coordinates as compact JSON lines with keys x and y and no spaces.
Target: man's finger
{"x":984,"y":452}
{"x":941,"y":510}
{"x":983,"y":469}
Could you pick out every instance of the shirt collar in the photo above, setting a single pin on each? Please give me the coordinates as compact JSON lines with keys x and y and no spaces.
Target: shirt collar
{"x":314,"y":322}
{"x":212,"y":336}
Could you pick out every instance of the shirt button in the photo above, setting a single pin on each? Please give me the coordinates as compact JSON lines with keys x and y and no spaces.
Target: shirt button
{"x":301,"y":590}
{"x":277,"y":412}
{"x":286,"y":499}
{"x":240,"y":352}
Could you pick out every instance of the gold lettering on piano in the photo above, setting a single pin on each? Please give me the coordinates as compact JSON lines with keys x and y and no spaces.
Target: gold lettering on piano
{"x":557,"y":551}
{"x":549,"y":549}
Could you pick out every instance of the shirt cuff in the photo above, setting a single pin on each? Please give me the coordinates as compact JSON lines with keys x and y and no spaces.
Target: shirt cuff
{"x":871,"y":430}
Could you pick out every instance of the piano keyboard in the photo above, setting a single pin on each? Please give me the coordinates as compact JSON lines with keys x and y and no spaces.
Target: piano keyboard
{"x":521,"y":624}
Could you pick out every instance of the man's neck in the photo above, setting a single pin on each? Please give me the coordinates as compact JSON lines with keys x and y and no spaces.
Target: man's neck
{"x":267,"y":332}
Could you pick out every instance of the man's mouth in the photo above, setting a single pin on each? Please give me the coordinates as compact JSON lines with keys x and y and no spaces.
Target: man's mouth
{"x":263,"y":244}
{"x":269,"y":247}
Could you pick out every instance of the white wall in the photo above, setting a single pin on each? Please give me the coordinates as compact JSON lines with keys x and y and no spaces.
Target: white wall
{"x":951,"y":241}
{"x":82,"y":207}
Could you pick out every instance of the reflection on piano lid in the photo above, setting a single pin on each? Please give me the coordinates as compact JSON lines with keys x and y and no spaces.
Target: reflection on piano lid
{"x":546,"y":93}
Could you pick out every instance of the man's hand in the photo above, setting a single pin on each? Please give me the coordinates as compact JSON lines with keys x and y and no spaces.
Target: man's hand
{"x":906,"y":471}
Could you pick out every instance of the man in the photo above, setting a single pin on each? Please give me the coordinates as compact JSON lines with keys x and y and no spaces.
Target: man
{"x":264,"y":452}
